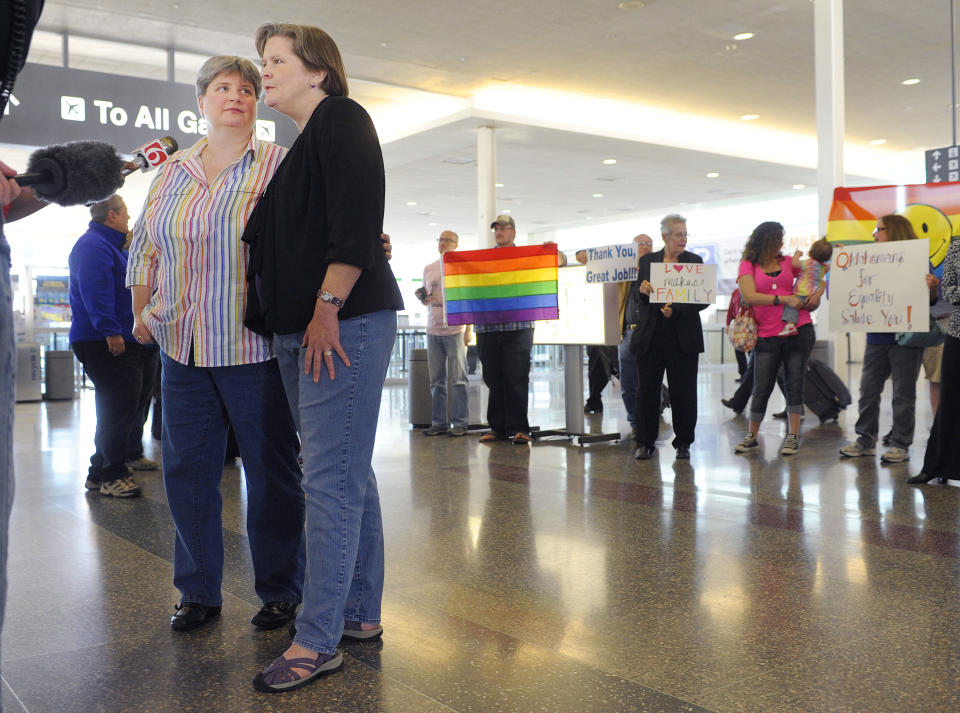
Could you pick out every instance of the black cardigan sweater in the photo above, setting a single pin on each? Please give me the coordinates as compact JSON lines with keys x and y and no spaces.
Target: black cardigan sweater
{"x":323,"y":205}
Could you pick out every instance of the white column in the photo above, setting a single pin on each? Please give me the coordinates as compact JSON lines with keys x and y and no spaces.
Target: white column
{"x":828,"y":50}
{"x":486,"y":185}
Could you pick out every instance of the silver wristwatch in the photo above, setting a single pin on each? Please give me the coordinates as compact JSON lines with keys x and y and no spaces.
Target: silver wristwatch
{"x":329,"y":298}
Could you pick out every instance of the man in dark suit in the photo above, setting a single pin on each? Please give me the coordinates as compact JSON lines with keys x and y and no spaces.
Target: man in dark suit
{"x":668,"y":338}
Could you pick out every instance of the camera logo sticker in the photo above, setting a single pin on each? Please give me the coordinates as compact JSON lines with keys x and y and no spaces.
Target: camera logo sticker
{"x":73,"y":109}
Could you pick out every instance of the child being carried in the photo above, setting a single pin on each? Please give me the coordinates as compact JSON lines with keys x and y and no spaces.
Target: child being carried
{"x":812,"y":274}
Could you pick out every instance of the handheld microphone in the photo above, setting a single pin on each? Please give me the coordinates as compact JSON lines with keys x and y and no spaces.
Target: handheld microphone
{"x":74,"y":173}
{"x":153,"y":154}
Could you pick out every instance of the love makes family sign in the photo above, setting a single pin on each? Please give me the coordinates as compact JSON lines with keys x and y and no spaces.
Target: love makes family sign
{"x":683,"y":282}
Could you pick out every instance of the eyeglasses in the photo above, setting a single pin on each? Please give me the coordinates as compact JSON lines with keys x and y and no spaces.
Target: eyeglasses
{"x":446,"y":240}
{"x":645,"y":245}
{"x":679,"y":235}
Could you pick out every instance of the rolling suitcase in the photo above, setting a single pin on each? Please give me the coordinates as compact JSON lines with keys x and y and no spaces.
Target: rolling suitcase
{"x":824,"y":392}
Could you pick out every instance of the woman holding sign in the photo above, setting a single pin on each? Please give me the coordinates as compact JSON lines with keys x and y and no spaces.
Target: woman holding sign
{"x":766,"y":282}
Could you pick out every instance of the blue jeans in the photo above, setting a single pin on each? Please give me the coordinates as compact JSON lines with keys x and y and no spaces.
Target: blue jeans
{"x":628,"y":377}
{"x":447,"y":351}
{"x":882,"y":361}
{"x":769,"y":354}
{"x":197,"y":403}
{"x":8,"y":364}
{"x":338,"y":426}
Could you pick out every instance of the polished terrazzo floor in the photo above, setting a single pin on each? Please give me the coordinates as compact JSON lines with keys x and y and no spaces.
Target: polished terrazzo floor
{"x":535,"y":578}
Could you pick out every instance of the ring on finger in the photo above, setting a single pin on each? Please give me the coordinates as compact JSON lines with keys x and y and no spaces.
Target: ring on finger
{"x":328,"y":353}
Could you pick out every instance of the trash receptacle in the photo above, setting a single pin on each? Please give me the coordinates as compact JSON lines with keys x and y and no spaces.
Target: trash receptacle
{"x":59,"y":375}
{"x":420,"y":404}
{"x":28,"y":373}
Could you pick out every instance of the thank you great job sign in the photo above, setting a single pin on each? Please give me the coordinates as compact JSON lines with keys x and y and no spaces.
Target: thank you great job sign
{"x":612,"y":263}
{"x":880,"y":287}
{"x":683,"y":282}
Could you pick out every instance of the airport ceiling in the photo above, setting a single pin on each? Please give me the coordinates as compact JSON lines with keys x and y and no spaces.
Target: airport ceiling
{"x":674,"y":55}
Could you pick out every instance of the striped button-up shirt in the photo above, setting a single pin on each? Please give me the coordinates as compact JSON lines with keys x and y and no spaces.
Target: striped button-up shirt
{"x":186,"y":246}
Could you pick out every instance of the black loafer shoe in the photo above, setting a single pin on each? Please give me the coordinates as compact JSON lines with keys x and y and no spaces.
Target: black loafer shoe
{"x":191,"y":615}
{"x":683,"y":453}
{"x":644,"y":453}
{"x":274,"y":614}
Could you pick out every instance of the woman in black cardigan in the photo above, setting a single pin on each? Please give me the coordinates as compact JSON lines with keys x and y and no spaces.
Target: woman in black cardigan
{"x":322,"y":286}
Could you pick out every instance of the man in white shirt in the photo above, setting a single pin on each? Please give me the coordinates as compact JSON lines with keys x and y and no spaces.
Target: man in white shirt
{"x":446,"y":349}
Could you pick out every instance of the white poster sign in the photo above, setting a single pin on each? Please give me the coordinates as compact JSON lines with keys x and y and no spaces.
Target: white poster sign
{"x":880,"y":287}
{"x":613,"y":263}
{"x":683,"y":282}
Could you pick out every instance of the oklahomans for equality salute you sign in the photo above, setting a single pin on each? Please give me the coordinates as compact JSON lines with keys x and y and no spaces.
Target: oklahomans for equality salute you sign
{"x":683,"y":282}
{"x":880,"y":287}
{"x":612,"y":263}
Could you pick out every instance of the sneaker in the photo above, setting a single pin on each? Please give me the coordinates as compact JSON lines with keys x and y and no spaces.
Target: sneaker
{"x":791,"y":445}
{"x":749,"y":443}
{"x":142,"y":463}
{"x":120,"y":488}
{"x":435,"y":431}
{"x":856,"y":449}
{"x":457,"y":431}
{"x":92,"y":484}
{"x":730,"y":405}
{"x":895,"y":455}
{"x":591,"y":407}
{"x":789,"y":329}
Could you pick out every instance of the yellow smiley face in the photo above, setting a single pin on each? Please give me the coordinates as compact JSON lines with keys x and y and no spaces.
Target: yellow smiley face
{"x":929,"y":222}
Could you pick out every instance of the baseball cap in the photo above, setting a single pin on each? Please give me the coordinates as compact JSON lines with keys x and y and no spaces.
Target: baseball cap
{"x":504,"y":219}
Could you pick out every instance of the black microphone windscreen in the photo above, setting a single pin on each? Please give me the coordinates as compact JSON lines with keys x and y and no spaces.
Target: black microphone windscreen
{"x":92,"y":171}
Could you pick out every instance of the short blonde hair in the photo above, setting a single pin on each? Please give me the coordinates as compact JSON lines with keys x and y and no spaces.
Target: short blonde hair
{"x":315,"y":48}
{"x":228,"y":64}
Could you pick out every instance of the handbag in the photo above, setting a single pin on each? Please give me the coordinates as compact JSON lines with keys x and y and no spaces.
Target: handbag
{"x":932,"y":338}
{"x":742,"y":331}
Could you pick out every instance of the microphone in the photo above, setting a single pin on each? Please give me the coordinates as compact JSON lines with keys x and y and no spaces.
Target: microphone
{"x":152,"y":154}
{"x":74,"y":173}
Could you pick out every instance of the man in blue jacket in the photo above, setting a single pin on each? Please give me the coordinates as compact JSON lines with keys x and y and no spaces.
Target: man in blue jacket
{"x":101,"y":336}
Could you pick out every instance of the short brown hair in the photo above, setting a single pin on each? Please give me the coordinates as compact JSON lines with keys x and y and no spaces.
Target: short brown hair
{"x":898,"y":227}
{"x":228,"y":64}
{"x":821,"y":250}
{"x":315,"y":48}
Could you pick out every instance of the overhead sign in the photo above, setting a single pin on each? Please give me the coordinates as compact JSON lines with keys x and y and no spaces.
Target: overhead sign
{"x":612,"y":263}
{"x":943,"y":165}
{"x":880,"y":287}
{"x":56,"y":104}
{"x":683,"y":283}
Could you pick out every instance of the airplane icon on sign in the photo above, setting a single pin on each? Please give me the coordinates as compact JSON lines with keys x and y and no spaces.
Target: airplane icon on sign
{"x":73,"y":108}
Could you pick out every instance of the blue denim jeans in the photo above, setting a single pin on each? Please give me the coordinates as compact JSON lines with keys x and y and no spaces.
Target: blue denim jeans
{"x":338,"y":426}
{"x":197,"y":403}
{"x":447,"y":351}
{"x":628,"y":377}
{"x":902,"y":364}
{"x":8,"y":364}
{"x":769,"y":354}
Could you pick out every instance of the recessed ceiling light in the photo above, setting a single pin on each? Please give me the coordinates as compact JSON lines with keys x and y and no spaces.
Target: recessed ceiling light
{"x":589,"y":217}
{"x":411,"y":202}
{"x":798,"y":186}
{"x":609,"y":161}
{"x":598,"y":195}
{"x":713,"y":174}
{"x":505,"y":210}
{"x":383,"y":44}
{"x":749,"y":117}
{"x":908,"y":82}
{"x":432,"y":225}
{"x":743,"y":36}
{"x":878,"y":142}
{"x":631,"y":4}
{"x":498,"y":185}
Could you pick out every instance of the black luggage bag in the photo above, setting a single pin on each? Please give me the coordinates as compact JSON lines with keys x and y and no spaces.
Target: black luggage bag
{"x":824,"y":392}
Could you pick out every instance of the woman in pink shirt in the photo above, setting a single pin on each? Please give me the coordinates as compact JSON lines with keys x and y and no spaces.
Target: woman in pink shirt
{"x":766,"y":280}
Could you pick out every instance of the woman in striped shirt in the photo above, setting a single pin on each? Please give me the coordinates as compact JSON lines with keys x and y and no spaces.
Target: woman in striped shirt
{"x":187,"y":271}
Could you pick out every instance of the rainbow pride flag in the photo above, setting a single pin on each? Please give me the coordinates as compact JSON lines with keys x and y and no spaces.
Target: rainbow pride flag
{"x":932,"y":208}
{"x":501,"y":284}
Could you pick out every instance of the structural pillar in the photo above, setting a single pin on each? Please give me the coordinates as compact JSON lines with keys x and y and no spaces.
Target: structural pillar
{"x":828,"y":52}
{"x":486,"y":185}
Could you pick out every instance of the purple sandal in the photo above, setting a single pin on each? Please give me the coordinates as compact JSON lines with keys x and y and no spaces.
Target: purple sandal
{"x":280,"y":676}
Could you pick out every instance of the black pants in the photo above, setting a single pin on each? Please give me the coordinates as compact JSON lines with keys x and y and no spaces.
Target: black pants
{"x":741,"y":361}
{"x":117,"y":382}
{"x":741,"y":397}
{"x":942,"y":457}
{"x":149,"y":369}
{"x":505,"y":357}
{"x":681,"y":371}
{"x":602,"y":363}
